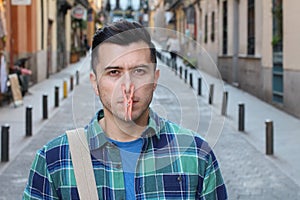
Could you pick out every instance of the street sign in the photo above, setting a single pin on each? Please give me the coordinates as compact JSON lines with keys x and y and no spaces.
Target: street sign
{"x":78,"y":12}
{"x":20,"y":2}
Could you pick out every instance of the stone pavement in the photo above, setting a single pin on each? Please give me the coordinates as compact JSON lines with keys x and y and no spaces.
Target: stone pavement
{"x":15,"y":116}
{"x":248,"y":173}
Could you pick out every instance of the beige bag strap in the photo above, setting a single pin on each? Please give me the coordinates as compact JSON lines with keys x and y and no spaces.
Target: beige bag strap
{"x":82,"y":164}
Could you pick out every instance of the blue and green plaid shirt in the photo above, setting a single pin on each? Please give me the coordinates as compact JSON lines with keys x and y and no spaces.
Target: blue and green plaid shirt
{"x":175,"y":163}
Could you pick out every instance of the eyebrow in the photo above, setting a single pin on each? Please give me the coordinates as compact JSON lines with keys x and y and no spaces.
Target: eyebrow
{"x":134,"y":67}
{"x":142,"y":66}
{"x":112,"y":67}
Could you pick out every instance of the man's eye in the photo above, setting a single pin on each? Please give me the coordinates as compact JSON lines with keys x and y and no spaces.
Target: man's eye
{"x":113,"y":72}
{"x":139,"y":71}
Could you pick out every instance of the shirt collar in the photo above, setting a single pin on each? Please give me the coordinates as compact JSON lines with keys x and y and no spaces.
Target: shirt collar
{"x":97,"y":138}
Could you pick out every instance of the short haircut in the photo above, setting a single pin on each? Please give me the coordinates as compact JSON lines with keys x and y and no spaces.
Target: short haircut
{"x":123,"y":33}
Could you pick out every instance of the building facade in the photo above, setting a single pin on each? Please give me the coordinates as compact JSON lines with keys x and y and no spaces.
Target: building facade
{"x":31,"y":32}
{"x":42,"y":30}
{"x":253,"y":43}
{"x":258,"y":49}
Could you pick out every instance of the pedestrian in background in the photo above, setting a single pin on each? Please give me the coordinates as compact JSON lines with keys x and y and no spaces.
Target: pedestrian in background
{"x":133,"y":152}
{"x":173,"y":47}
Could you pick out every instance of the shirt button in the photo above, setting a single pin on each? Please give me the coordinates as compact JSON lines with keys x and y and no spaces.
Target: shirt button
{"x":110,"y":145}
{"x":179,"y":179}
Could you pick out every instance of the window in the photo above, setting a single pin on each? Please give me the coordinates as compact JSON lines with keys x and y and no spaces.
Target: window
{"x":224,"y":50}
{"x":212,"y":35}
{"x":277,"y":43}
{"x":205,"y":29}
{"x":251,"y":27}
{"x":277,"y":25}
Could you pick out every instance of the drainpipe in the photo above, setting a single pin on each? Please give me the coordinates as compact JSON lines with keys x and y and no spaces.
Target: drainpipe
{"x":235,"y":58}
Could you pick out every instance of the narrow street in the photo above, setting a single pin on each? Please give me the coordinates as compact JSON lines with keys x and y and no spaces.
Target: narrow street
{"x":248,"y":173}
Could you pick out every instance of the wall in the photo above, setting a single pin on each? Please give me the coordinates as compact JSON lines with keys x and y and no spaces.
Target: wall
{"x":291,"y":58}
{"x":52,"y":9}
{"x":255,"y":72}
{"x":230,"y":27}
{"x":266,"y":50}
{"x":208,"y":56}
{"x":243,"y":27}
{"x":250,"y":75}
{"x":68,"y":35}
{"x":225,"y":68}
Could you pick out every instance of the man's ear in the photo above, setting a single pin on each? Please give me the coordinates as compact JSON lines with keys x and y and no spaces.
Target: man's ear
{"x":93,"y":80}
{"x":156,"y":77}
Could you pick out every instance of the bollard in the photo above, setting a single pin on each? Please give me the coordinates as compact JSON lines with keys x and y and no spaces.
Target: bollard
{"x":269,"y":137}
{"x":191,"y":80}
{"x":224,"y":103}
{"x":211,"y":94}
{"x":29,"y":120}
{"x":199,"y":86}
{"x":185,"y":75}
{"x":65,"y":86}
{"x":175,"y":66}
{"x":5,"y":143}
{"x":180,"y":72}
{"x":71,"y":83}
{"x":45,"y":106}
{"x":241,"y":117}
{"x":56,"y":96}
{"x":77,"y":77}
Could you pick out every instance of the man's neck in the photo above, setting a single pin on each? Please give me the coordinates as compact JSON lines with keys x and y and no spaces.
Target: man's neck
{"x":123,"y":131}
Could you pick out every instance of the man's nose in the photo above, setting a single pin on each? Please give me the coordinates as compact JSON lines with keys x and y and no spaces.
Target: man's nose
{"x":127,"y":82}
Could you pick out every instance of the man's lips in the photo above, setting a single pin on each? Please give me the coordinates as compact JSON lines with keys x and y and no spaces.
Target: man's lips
{"x":136,"y":100}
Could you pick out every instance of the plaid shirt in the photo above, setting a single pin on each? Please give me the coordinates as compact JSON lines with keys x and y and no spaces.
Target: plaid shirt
{"x":175,"y":163}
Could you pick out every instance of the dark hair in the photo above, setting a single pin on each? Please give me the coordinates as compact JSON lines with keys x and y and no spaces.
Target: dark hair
{"x":122,"y":33}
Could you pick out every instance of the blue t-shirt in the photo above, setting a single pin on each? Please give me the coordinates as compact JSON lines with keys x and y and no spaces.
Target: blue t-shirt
{"x":130,"y":152}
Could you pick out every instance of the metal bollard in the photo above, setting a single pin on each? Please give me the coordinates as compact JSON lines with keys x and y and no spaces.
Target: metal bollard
{"x":77,"y":77}
{"x":185,"y":75}
{"x":56,"y":96}
{"x":65,"y":89}
{"x":241,"y":117}
{"x":29,"y":120}
{"x":224,"y":103}
{"x":211,"y":94}
{"x":175,"y":69}
{"x":199,"y":86}
{"x":45,"y":106}
{"x":5,"y":143}
{"x":71,"y":83}
{"x":191,"y":80}
{"x":180,"y":72}
{"x":269,"y":137}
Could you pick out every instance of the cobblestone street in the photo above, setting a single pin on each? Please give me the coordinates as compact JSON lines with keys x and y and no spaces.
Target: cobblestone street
{"x":248,"y":173}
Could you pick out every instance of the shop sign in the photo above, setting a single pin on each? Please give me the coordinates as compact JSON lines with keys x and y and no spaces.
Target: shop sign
{"x":78,"y":12}
{"x":20,"y":2}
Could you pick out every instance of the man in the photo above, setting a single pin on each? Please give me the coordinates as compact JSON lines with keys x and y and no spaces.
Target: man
{"x":173,"y":47}
{"x":135,"y":154}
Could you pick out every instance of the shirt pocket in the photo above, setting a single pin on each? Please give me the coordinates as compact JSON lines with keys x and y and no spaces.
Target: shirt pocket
{"x":179,"y":182}
{"x":175,"y":186}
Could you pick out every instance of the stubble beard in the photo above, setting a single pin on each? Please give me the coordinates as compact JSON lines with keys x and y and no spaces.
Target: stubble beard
{"x":118,"y":114}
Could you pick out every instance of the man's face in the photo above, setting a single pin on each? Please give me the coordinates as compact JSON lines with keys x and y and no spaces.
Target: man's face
{"x":119,"y":70}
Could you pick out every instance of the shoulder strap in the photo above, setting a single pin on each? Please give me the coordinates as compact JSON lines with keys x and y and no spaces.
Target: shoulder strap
{"x":82,"y":164}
